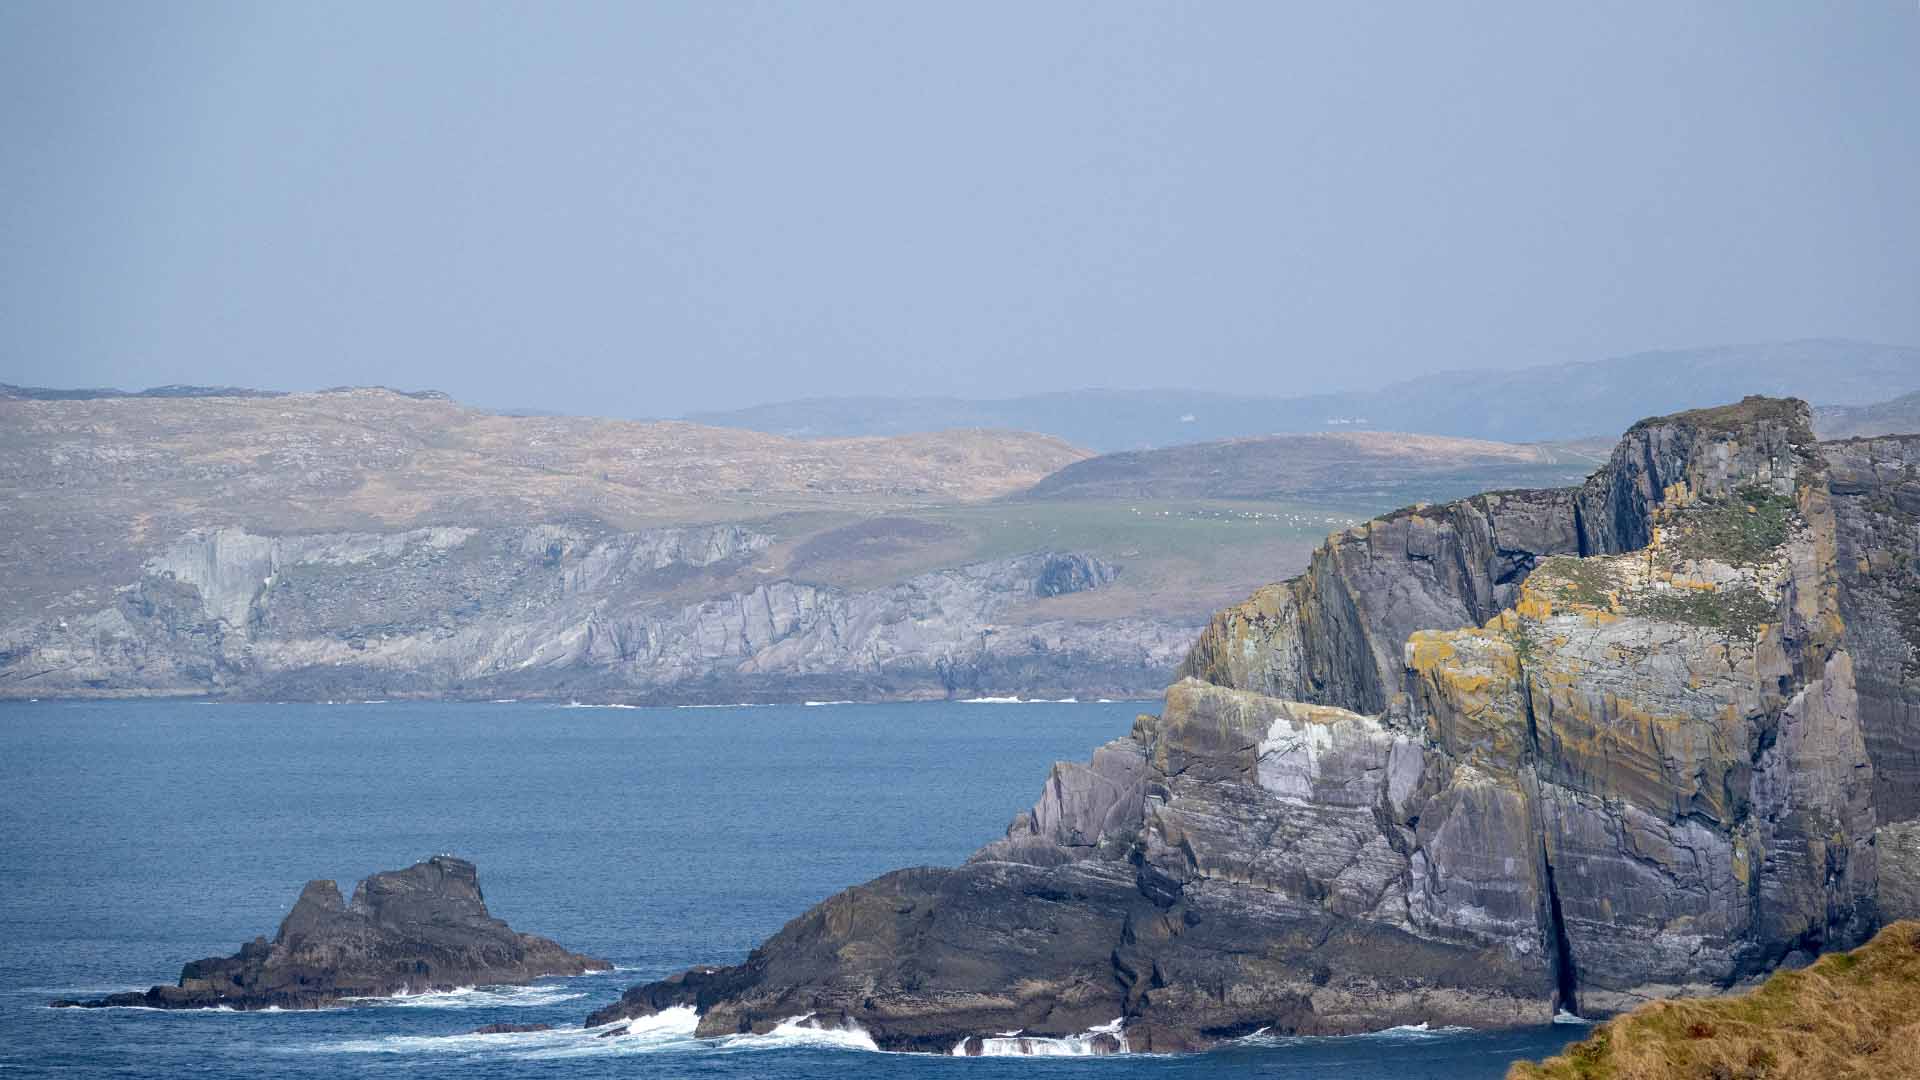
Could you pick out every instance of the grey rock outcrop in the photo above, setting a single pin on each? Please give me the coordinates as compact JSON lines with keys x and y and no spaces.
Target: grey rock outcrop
{"x":1483,"y":761}
{"x":425,"y":928}
{"x":662,"y":615}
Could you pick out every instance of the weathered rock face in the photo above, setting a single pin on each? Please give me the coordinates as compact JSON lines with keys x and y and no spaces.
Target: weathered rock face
{"x":1529,"y":751}
{"x":1333,"y":634}
{"x":674,"y":614}
{"x":1875,"y":498}
{"x":425,"y":928}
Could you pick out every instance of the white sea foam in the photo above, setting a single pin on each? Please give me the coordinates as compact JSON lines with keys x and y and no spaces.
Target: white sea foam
{"x":818,"y":703}
{"x":668,"y":1031}
{"x":679,"y":1020}
{"x":1015,"y":699}
{"x":474,"y":997}
{"x":1014,"y":1044}
{"x":804,"y":1030}
{"x":1420,"y":1030}
{"x":597,"y":705}
{"x":516,"y":1043}
{"x":674,"y":1026}
{"x":1565,"y":1017}
{"x":735,"y":705}
{"x":1405,"y":1032}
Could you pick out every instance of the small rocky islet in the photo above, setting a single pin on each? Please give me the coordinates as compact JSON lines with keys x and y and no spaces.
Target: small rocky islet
{"x":419,"y":930}
{"x":1578,"y":749}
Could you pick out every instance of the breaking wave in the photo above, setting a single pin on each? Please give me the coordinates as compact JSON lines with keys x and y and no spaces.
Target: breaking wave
{"x":1404,"y":1032}
{"x":805,"y":1031}
{"x":476,"y":997}
{"x":668,"y":1031}
{"x":1017,"y":700}
{"x":1085,"y":1044}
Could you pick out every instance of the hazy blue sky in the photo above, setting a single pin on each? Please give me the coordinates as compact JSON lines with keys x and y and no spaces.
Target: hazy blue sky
{"x":646,"y":208}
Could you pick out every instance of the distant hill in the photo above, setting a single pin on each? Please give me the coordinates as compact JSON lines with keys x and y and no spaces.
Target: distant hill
{"x":97,"y":484}
{"x":368,"y":544}
{"x":8,"y":391}
{"x":1901,"y":416}
{"x":1367,"y":465}
{"x":376,"y":458}
{"x":1556,"y":401}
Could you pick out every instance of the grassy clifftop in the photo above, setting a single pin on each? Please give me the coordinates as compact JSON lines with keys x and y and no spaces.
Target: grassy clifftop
{"x":1849,"y":1015}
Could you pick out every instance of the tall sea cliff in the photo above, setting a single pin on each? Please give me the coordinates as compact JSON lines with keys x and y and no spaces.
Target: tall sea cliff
{"x":1485,"y":761}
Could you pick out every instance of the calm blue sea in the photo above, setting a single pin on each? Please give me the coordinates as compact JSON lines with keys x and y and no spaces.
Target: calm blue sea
{"x":137,"y":836}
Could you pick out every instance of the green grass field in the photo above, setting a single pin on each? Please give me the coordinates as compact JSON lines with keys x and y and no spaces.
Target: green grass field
{"x":1177,"y":559}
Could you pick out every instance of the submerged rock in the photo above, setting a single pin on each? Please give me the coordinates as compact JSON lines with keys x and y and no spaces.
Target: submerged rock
{"x":511,"y":1029}
{"x":418,"y":930}
{"x":1485,"y":761}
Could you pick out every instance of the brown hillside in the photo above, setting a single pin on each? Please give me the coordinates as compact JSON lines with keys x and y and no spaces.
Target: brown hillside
{"x":1849,"y":1016}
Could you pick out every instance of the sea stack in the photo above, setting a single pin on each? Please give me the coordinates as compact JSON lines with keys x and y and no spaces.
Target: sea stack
{"x":418,"y":930}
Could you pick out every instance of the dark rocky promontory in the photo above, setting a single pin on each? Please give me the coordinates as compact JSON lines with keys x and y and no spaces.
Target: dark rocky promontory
{"x":422,"y":929}
{"x":1654,"y":736}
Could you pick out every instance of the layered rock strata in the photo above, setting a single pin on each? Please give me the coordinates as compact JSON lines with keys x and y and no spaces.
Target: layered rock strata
{"x":1484,"y":761}
{"x":660,"y":616}
{"x":422,"y":929}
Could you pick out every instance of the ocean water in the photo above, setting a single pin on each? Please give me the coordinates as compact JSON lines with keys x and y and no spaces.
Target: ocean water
{"x":137,"y":836}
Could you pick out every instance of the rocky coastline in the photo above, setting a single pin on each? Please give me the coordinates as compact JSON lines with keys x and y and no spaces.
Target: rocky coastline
{"x":561,"y":612}
{"x":1533,"y":751}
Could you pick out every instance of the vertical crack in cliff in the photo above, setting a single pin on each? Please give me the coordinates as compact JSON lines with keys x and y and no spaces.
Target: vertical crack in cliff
{"x":1566,"y":978}
{"x":1533,"y":720}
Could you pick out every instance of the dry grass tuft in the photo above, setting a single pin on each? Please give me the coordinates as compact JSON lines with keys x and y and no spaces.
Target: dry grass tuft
{"x":1849,"y":1016}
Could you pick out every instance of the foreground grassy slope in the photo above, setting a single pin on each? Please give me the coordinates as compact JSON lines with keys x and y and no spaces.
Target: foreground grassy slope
{"x":1849,"y":1015}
